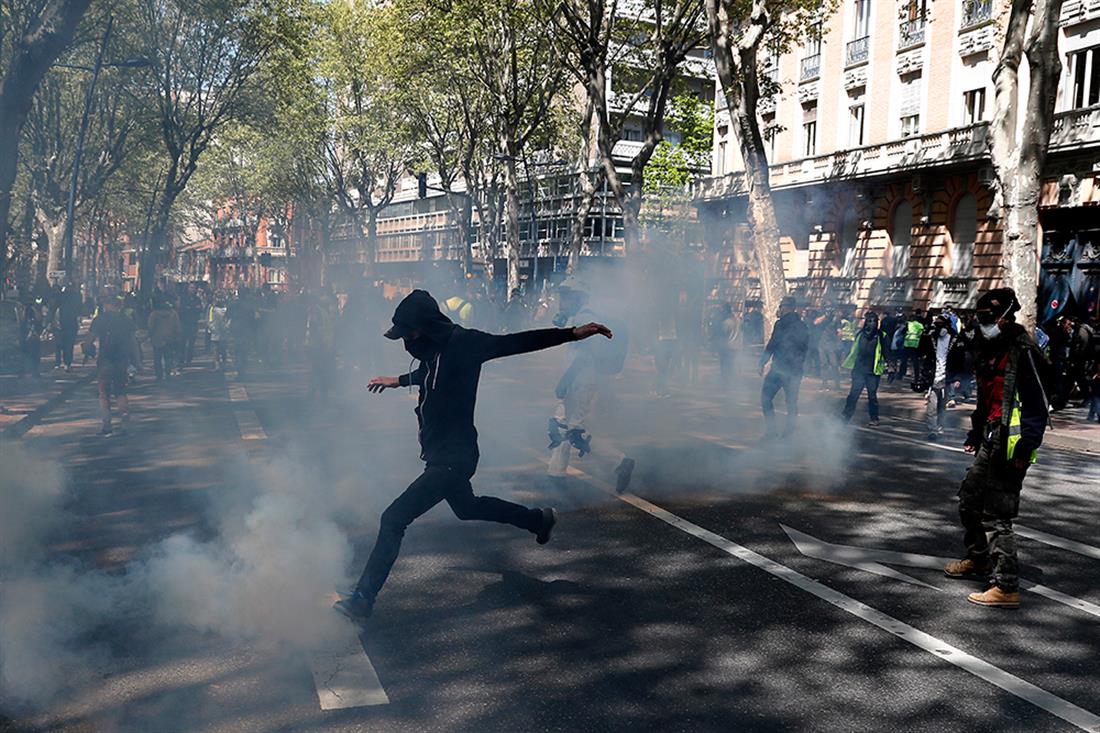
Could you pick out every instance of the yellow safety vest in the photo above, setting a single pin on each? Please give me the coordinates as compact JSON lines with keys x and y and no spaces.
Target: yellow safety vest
{"x":460,"y":308}
{"x":1014,"y":432}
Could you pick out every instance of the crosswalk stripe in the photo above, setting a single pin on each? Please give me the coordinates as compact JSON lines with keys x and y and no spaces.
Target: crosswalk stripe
{"x":1055,"y":541}
{"x":342,"y":672}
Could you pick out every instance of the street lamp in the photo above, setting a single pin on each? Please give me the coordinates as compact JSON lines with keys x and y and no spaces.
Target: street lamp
{"x":78,"y":156}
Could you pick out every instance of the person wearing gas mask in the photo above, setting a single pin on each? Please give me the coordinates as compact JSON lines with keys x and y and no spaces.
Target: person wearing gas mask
{"x":867,"y":362}
{"x":786,"y":350}
{"x":450,"y":359}
{"x":1008,"y":425}
{"x":935,"y":346}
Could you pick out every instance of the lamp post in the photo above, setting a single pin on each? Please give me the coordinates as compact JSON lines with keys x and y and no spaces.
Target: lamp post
{"x":78,"y":155}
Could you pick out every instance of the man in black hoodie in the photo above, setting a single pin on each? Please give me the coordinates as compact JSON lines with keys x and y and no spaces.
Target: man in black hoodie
{"x":1008,"y":425}
{"x":787,"y":351}
{"x":450,"y":366}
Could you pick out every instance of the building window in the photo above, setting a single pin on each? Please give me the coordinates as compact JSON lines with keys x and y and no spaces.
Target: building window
{"x":1084,"y":69}
{"x":809,"y":136}
{"x":976,"y":12}
{"x":964,"y":232}
{"x":901,"y":238}
{"x":858,"y":48}
{"x":973,"y":106}
{"x":632,"y":134}
{"x":811,"y":58}
{"x":720,"y":163}
{"x":771,"y":132}
{"x":910,"y":105}
{"x":849,"y":237}
{"x":855,"y":123}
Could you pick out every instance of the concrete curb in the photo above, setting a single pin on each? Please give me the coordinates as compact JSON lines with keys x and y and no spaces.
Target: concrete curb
{"x":19,"y":429}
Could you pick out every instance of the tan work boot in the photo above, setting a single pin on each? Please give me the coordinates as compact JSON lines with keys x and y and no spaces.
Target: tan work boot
{"x":996,"y":597}
{"x":968,"y":569}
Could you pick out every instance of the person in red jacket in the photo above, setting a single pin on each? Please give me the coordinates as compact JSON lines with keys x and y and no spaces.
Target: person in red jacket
{"x":1008,"y":425}
{"x":450,"y":366}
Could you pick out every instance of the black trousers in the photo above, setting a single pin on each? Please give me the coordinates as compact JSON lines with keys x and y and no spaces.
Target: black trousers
{"x":989,"y":500}
{"x":789,"y":383}
{"x":436,"y":484}
{"x":861,"y":381}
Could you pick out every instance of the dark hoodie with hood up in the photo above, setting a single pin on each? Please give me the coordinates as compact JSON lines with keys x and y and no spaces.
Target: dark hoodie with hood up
{"x":448,"y":379}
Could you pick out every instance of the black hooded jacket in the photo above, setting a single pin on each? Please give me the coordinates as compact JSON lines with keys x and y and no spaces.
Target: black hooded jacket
{"x":448,"y":380}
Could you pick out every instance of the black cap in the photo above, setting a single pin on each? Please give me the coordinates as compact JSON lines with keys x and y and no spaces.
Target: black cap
{"x":418,"y":311}
{"x":1001,"y":302}
{"x":788,"y":301}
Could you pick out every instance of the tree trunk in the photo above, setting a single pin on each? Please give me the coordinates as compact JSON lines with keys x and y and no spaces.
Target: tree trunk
{"x":1018,"y":159}
{"x":32,"y":55}
{"x":371,"y":253}
{"x":511,"y":222}
{"x":736,"y":63}
{"x":53,"y":227}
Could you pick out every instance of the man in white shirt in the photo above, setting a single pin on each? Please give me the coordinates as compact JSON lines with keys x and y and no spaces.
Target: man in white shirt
{"x":938,"y":344}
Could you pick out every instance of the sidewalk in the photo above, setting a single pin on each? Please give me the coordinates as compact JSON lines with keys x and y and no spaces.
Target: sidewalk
{"x":24,"y":399}
{"x":1069,"y":429}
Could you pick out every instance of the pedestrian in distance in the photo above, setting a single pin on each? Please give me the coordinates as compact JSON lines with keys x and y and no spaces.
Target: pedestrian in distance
{"x":117,"y":350}
{"x":1008,"y":424}
{"x":786,"y":350}
{"x":867,"y":362}
{"x":935,"y":346}
{"x":165,"y":335}
{"x":447,"y":376}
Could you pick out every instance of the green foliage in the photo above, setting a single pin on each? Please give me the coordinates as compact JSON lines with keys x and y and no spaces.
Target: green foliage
{"x":673,"y":165}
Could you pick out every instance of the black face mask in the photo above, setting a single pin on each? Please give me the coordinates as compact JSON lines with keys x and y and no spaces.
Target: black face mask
{"x":870,"y":326}
{"x":421,"y":347}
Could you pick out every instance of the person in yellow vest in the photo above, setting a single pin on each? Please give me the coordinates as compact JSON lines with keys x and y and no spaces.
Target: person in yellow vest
{"x":910,"y":346}
{"x":1008,"y":422}
{"x":867,"y":362}
{"x":459,"y":309}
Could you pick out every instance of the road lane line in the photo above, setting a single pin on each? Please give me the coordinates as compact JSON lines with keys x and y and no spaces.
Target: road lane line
{"x":342,"y":672}
{"x":344,"y":676}
{"x":1055,"y":541}
{"x":1067,"y":711}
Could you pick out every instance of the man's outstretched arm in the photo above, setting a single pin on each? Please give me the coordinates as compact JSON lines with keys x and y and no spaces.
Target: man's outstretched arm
{"x":492,"y":346}
{"x":408,"y":379}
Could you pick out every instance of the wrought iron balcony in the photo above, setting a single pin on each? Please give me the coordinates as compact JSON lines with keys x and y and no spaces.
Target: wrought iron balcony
{"x":858,"y":51}
{"x":912,"y":34}
{"x":811,"y":67}
{"x":976,"y":12}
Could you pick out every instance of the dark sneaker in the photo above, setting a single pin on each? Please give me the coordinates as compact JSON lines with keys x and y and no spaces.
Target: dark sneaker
{"x":968,"y":569}
{"x":933,"y":437}
{"x":873,"y":422}
{"x":622,"y":475}
{"x":105,"y":430}
{"x":549,"y":519}
{"x":356,"y":607}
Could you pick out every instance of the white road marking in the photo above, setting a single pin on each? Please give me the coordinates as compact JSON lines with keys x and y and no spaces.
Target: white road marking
{"x":853,"y":557}
{"x":1055,"y":541}
{"x":344,"y":676}
{"x":342,"y":673}
{"x":914,"y":441}
{"x":864,"y":559}
{"x":1067,"y":711}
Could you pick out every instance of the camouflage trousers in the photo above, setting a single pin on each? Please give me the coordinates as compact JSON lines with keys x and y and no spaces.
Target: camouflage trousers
{"x":989,"y":499}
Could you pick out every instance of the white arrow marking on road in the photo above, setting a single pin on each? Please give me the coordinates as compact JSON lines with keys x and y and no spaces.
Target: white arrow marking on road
{"x":344,"y":676}
{"x":1067,"y":711}
{"x":1055,"y":541}
{"x":1037,"y":696}
{"x":247,"y":421}
{"x":870,"y":560}
{"x":854,"y":557}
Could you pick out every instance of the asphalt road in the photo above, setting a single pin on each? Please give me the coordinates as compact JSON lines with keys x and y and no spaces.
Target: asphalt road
{"x":686,"y":606}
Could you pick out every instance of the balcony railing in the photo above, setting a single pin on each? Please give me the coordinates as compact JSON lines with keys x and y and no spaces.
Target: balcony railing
{"x":858,"y":51}
{"x":811,"y":67}
{"x":976,"y":12}
{"x":912,"y":34}
{"x":950,"y":147}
